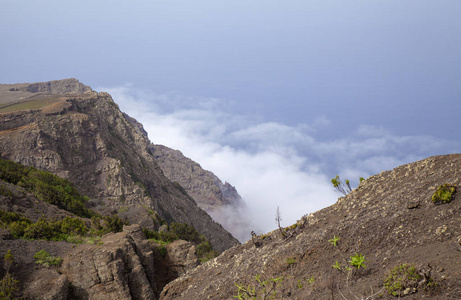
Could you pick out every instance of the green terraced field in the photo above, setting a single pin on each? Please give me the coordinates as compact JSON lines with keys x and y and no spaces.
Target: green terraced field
{"x":32,"y":104}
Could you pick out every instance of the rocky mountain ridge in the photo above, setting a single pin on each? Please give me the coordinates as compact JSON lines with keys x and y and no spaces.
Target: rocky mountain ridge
{"x":66,"y":128}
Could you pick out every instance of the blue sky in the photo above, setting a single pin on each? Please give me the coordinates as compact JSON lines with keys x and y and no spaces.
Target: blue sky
{"x":275,"y":97}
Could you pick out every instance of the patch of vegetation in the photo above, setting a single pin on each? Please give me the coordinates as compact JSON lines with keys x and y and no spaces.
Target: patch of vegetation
{"x":343,"y":188}
{"x":67,"y":229}
{"x":34,"y":104}
{"x":334,"y":240}
{"x":162,"y":250}
{"x":290,"y":261}
{"x":444,"y":194}
{"x":265,"y":236}
{"x":44,"y":259}
{"x":109,"y":224}
{"x":310,"y":279}
{"x":80,"y":239}
{"x":262,"y":289}
{"x":46,"y":187}
{"x":291,"y":227}
{"x":4,"y":191}
{"x":205,"y":252}
{"x":183,"y":231}
{"x":336,"y":266}
{"x":406,"y":277}
{"x":123,"y":209}
{"x":9,"y":285}
{"x":358,"y":261}
{"x":55,"y":230}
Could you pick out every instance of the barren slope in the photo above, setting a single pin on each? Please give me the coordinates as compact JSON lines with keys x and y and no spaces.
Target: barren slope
{"x":390,"y":219}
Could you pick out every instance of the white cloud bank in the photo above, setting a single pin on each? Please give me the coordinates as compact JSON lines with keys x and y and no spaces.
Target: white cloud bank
{"x":271,"y":164}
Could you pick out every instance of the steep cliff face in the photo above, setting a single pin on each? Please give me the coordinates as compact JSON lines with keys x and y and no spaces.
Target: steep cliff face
{"x":220,"y":200}
{"x":66,"y":128}
{"x":389,"y":220}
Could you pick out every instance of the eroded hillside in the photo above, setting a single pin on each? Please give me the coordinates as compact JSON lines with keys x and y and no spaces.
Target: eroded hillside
{"x":388,"y":224}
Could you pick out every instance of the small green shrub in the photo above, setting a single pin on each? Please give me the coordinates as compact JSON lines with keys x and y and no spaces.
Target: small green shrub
{"x":162,"y":250}
{"x":310,"y":279}
{"x":18,"y":229}
{"x":4,"y":191}
{"x":73,"y":226}
{"x":263,"y":289}
{"x":300,"y":284}
{"x":43,"y":258}
{"x":444,"y":194}
{"x":291,"y":227}
{"x":205,"y":252}
{"x":334,"y":240}
{"x":265,"y":236}
{"x":340,"y":186}
{"x":113,"y":224}
{"x":337,"y":266}
{"x":290,"y":261}
{"x":400,"y":278}
{"x":358,"y":261}
{"x":185,"y":232}
{"x":42,"y":229}
{"x":123,"y":209}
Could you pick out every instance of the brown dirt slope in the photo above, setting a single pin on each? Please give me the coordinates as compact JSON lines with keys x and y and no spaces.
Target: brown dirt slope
{"x":390,"y":219}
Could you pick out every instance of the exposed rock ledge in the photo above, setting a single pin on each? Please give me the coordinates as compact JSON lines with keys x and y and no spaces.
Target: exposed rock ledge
{"x":121,"y":266}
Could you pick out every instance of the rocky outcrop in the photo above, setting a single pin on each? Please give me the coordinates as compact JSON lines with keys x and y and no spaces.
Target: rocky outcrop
{"x":11,"y":94}
{"x":181,"y":257}
{"x":47,"y":284}
{"x":390,"y":219}
{"x":220,"y":200}
{"x":88,"y":140}
{"x":57,"y":87}
{"x":121,"y":267}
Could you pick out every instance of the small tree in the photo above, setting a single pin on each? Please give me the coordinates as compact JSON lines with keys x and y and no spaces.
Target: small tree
{"x":8,"y":285}
{"x":278,"y":219}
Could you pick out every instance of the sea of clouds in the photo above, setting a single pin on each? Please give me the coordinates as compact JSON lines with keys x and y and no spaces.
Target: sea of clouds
{"x":271,"y":164}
